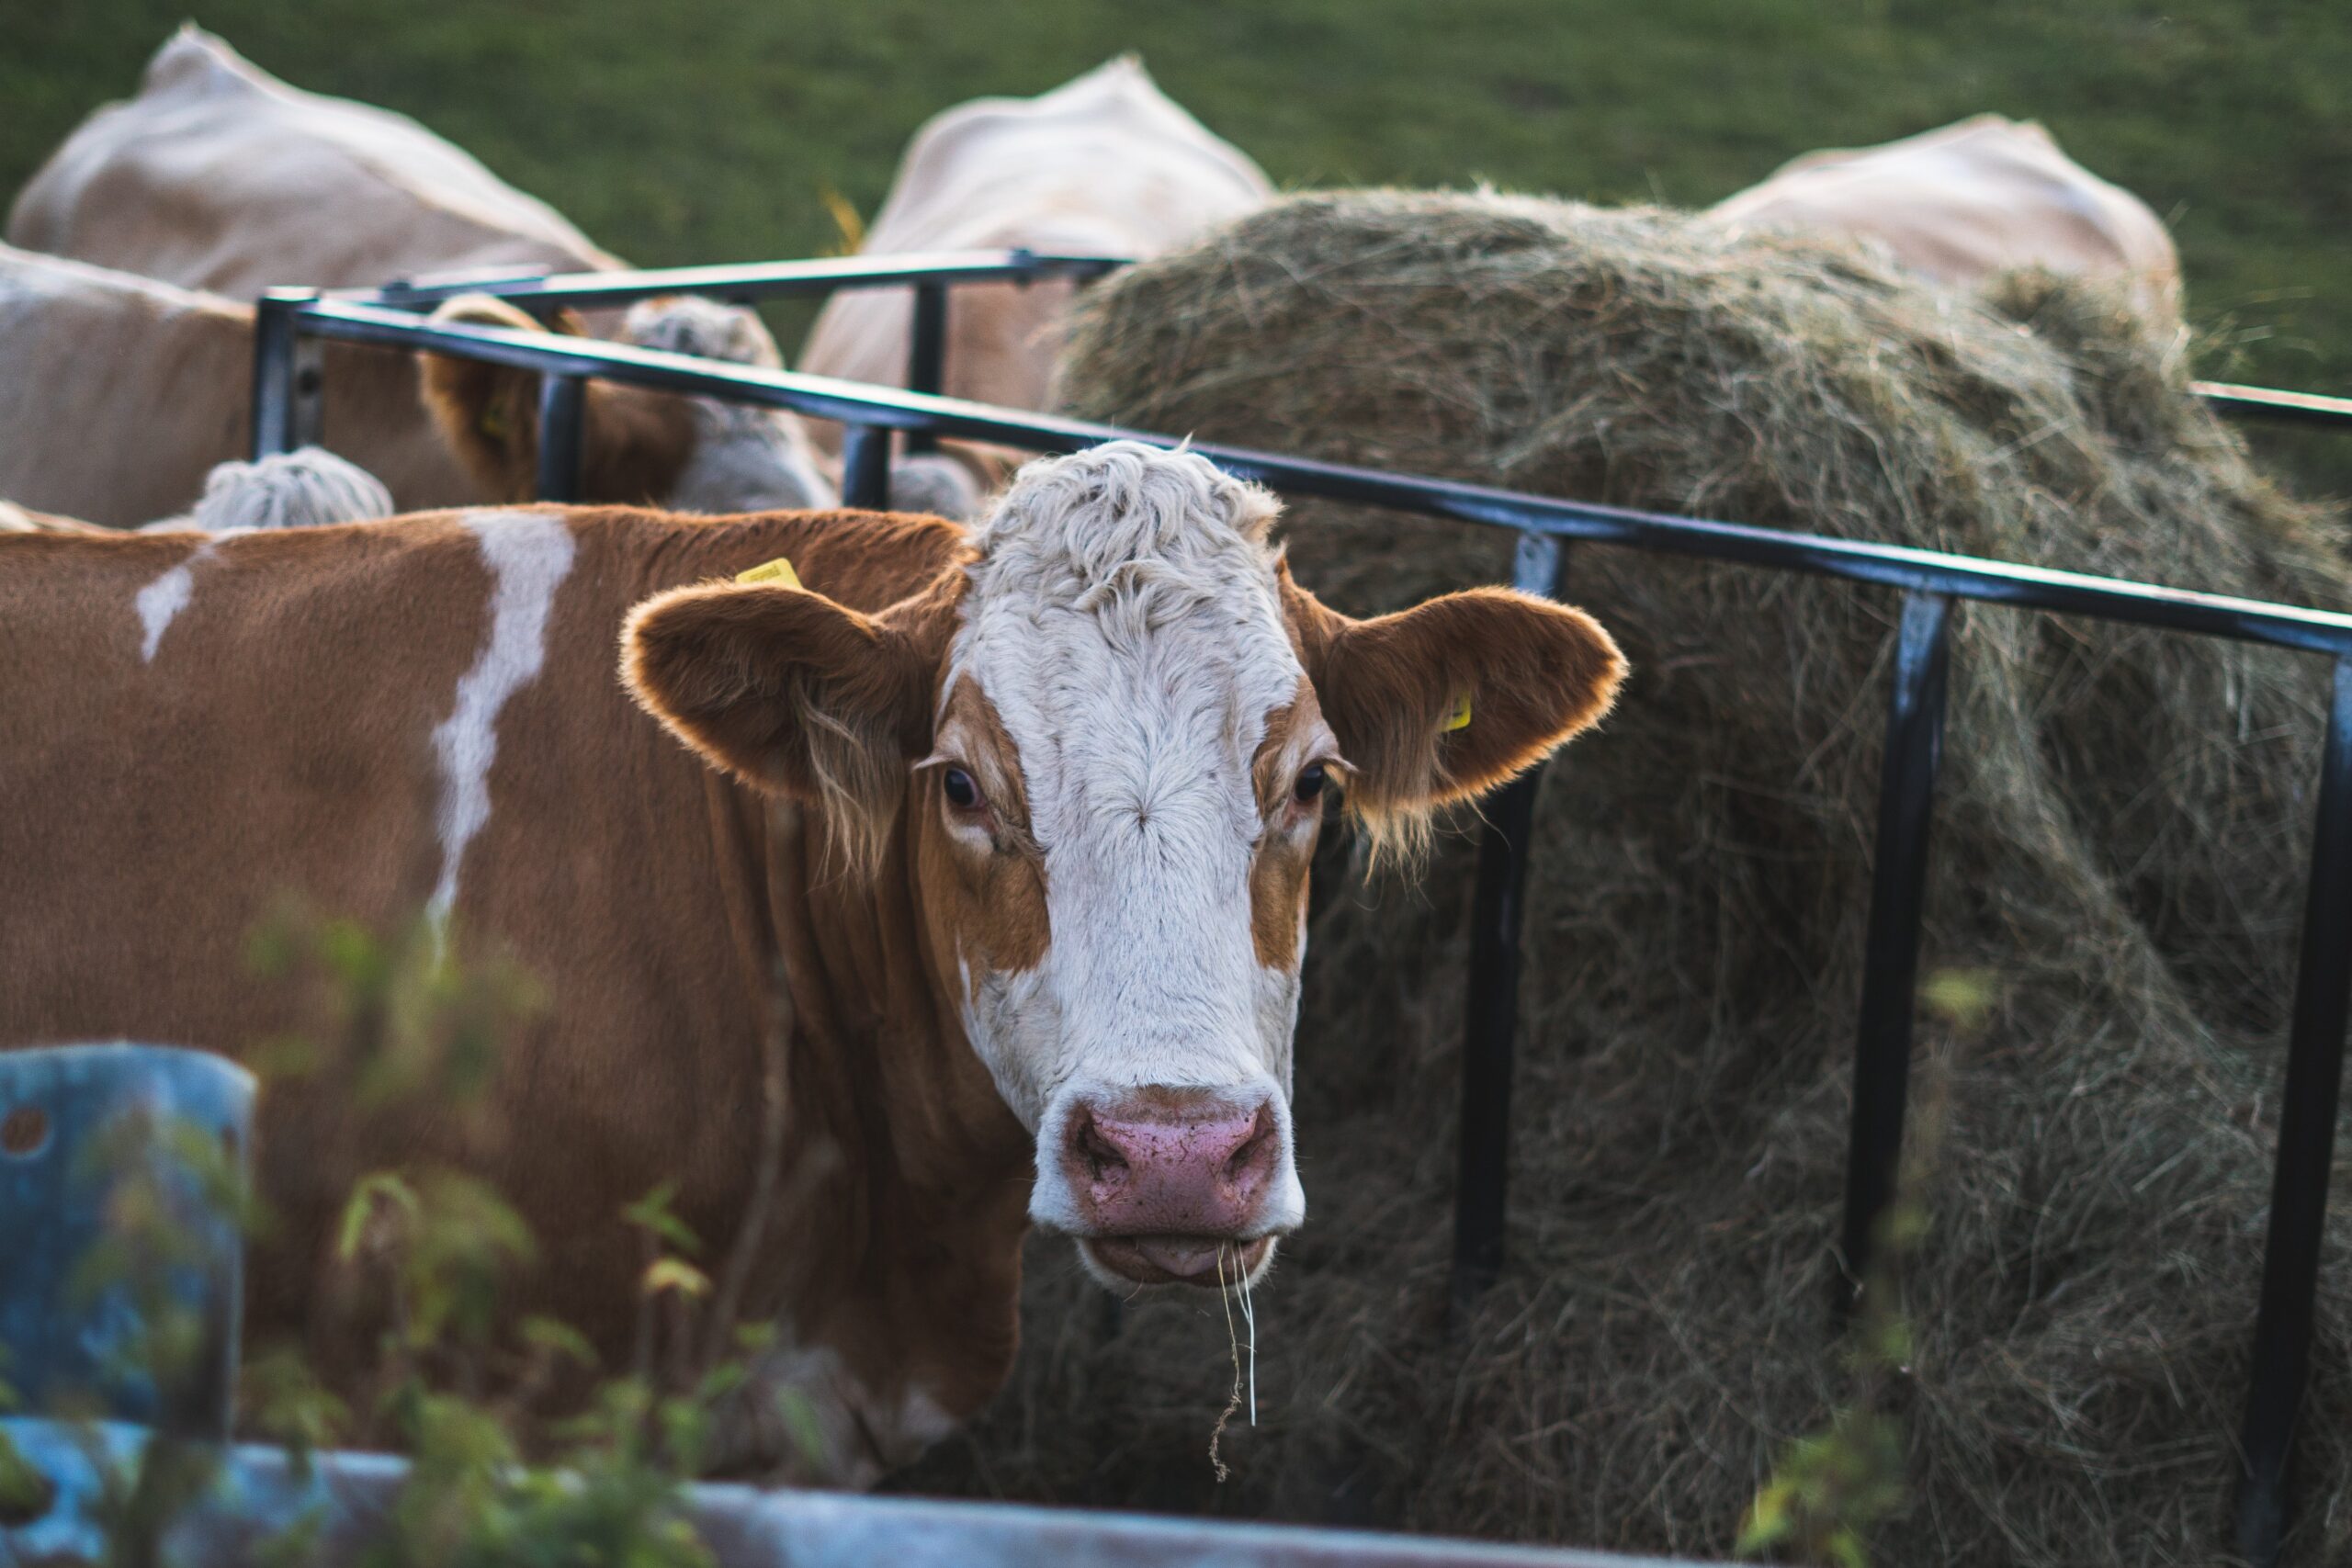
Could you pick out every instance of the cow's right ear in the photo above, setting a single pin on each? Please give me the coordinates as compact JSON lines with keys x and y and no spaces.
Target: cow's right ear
{"x":634,"y":443}
{"x":794,"y":693}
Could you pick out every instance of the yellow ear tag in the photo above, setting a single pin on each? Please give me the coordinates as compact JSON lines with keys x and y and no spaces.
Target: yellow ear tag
{"x":1460,"y":717}
{"x":778,"y":571}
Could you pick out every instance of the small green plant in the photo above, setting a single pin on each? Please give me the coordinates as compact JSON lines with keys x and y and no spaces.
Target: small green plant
{"x":402,"y":1013}
{"x":170,"y":1186}
{"x":24,"y":1493}
{"x":615,"y":1497}
{"x":1832,"y":1489}
{"x":610,"y":1489}
{"x":454,"y":1385}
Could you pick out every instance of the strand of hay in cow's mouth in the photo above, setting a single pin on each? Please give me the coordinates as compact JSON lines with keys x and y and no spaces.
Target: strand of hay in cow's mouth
{"x":2120,"y":841}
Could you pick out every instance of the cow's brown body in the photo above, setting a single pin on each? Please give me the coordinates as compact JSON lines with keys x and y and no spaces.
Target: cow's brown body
{"x":281,"y":743}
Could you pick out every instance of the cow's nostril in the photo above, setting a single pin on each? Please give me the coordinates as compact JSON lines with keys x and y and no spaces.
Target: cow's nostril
{"x":1101,"y":1155}
{"x":1250,"y":1152}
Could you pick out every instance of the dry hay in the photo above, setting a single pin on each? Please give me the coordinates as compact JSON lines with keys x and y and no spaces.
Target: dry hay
{"x":2119,"y":846}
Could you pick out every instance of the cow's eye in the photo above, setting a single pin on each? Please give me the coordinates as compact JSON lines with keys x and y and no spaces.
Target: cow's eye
{"x":1308,"y":788}
{"x":962,"y":793}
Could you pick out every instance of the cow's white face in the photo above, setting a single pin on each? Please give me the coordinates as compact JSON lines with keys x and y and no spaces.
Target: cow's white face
{"x":1105,"y":743}
{"x":1125,"y":721}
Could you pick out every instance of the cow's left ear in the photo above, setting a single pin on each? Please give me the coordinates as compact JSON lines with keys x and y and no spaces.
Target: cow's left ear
{"x":1437,"y":703}
{"x":794,"y":693}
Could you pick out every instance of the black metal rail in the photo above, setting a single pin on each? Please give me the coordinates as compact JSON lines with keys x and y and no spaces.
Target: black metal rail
{"x":286,"y":402}
{"x":741,"y":284}
{"x":1491,"y":1024}
{"x":1906,"y":794}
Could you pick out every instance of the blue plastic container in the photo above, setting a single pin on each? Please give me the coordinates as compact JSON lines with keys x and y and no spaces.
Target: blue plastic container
{"x":87,"y":1132}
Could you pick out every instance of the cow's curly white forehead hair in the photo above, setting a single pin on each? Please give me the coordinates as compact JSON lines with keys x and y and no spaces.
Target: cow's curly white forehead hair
{"x":1125,"y":523}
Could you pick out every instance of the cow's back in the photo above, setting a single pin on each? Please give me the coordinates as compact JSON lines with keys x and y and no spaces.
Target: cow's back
{"x":1104,"y":164}
{"x":1108,"y":145}
{"x":219,"y":176}
{"x":1970,"y":199}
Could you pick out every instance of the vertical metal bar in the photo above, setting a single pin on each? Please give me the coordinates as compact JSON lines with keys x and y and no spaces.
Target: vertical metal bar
{"x":1906,"y":792}
{"x":2282,"y":1328}
{"x":927,"y":355}
{"x":1491,"y":1019}
{"x":289,"y":375}
{"x":865,"y":467}
{"x":562,"y":399}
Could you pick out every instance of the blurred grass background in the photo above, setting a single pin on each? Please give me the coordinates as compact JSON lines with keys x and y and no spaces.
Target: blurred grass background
{"x":708,"y":130}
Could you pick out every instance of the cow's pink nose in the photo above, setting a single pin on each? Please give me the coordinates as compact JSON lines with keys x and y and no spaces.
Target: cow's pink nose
{"x":1163,"y":1169}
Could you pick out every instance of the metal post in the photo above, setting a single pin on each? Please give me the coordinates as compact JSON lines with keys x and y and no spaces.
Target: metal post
{"x":561,"y":400}
{"x":1491,"y":1018}
{"x":865,"y":467}
{"x":289,"y":375}
{"x":2283,"y":1327}
{"x":1906,"y":791}
{"x":927,"y":355}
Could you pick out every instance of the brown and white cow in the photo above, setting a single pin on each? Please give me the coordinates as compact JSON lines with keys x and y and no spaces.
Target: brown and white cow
{"x":1000,"y":837}
{"x":118,"y":395}
{"x":219,"y":176}
{"x":1967,"y":200}
{"x":1105,"y":164}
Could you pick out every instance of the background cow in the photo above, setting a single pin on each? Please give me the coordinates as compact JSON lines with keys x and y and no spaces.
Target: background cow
{"x":1104,"y":164}
{"x":220,"y":176}
{"x":691,"y":454}
{"x":993,"y":847}
{"x":306,"y":489}
{"x":118,"y":395}
{"x":1971,"y":200}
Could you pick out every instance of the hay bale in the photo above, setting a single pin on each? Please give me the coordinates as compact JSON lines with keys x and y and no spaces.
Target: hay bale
{"x":2119,"y":846}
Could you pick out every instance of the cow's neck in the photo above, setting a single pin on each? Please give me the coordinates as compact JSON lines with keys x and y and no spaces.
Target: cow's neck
{"x":902,"y":1192}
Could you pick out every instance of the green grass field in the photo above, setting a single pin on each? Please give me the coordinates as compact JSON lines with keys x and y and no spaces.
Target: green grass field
{"x":704,"y":130}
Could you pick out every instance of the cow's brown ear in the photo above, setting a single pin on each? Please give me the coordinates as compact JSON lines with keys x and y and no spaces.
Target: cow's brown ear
{"x":487,"y":414}
{"x":1437,"y":703}
{"x":795,"y":694}
{"x":634,"y":443}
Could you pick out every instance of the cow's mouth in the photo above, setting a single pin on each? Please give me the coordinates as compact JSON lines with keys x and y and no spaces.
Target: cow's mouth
{"x":1202,"y":1261}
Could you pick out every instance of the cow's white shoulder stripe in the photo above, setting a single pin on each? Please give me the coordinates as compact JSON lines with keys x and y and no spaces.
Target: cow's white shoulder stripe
{"x":529,"y":554}
{"x":160,"y":603}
